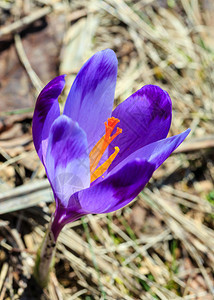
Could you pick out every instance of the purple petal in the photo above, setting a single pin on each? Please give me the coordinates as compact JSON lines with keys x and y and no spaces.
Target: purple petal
{"x":67,"y":159}
{"x":91,"y":97}
{"x":118,"y":189}
{"x":46,"y":111}
{"x":155,"y":153}
{"x":145,"y":117}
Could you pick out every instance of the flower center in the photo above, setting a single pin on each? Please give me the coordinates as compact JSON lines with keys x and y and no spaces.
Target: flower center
{"x":101,"y":146}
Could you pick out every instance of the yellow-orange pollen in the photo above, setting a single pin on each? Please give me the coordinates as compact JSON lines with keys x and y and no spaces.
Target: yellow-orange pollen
{"x":101,"y":146}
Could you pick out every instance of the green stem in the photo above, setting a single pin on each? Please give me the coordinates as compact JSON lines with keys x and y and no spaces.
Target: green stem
{"x":45,"y":258}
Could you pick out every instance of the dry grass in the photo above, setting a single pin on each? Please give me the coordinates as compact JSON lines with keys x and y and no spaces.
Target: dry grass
{"x":162,"y":246}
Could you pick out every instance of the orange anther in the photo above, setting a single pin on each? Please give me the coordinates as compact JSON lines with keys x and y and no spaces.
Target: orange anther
{"x":101,"y":170}
{"x":101,"y":146}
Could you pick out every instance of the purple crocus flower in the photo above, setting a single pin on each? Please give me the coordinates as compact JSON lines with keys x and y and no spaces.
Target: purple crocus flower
{"x":94,"y":166}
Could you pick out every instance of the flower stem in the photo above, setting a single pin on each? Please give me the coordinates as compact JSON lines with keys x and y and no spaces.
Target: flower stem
{"x":45,"y":258}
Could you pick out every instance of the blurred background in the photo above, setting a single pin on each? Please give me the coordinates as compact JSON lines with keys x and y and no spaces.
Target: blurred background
{"x":162,"y":245}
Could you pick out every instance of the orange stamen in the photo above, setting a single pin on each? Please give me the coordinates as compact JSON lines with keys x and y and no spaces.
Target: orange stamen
{"x":101,"y":146}
{"x":101,"y":170}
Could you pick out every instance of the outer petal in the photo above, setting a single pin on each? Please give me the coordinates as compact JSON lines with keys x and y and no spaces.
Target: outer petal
{"x":145,"y":117}
{"x":91,"y":97}
{"x":46,"y":111}
{"x":155,"y":153}
{"x":67,"y":159}
{"x":118,"y":189}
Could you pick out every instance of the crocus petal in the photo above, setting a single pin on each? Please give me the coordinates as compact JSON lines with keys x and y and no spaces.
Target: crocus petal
{"x":46,"y":111}
{"x":145,"y":117}
{"x":118,"y":189}
{"x":67,"y":159}
{"x":155,"y":153}
{"x":91,"y":97}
